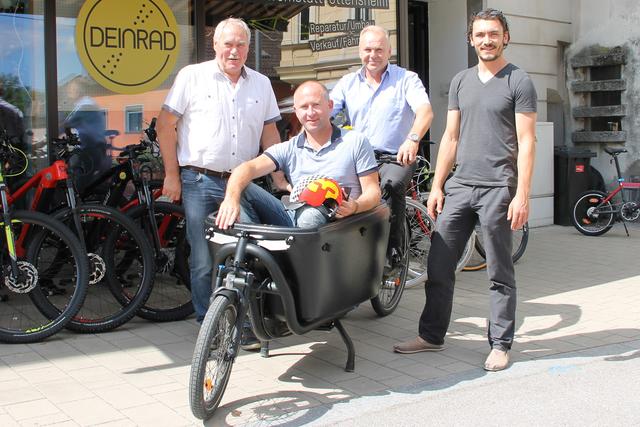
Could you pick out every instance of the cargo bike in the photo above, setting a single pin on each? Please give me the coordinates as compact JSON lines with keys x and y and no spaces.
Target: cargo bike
{"x":289,"y":281}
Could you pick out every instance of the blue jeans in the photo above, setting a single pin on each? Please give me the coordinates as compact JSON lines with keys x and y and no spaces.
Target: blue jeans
{"x":261,"y":207}
{"x":201,"y":196}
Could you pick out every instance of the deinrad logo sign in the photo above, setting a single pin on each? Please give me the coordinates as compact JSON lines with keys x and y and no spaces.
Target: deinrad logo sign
{"x":128,"y":46}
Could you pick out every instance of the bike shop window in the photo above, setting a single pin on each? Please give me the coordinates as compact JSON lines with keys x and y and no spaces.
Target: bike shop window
{"x":22,"y":78}
{"x":133,"y":118}
{"x":304,"y":25}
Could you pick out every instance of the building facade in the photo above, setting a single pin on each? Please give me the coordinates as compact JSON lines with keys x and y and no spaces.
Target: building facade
{"x":124,"y":55}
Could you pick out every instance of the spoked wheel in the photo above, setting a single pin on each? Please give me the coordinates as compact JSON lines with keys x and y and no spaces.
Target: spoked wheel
{"x":170,"y":298}
{"x":420,"y":228}
{"x":519,"y":239}
{"x":213,"y":357}
{"x":393,"y":282}
{"x":591,"y":215}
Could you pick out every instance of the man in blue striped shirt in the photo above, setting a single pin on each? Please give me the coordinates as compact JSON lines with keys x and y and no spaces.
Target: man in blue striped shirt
{"x":389,"y":105}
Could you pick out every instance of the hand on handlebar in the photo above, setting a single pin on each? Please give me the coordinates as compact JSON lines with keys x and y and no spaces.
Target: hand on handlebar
{"x":172,"y":187}
{"x":435,"y":202}
{"x":407,"y":153}
{"x":228,"y":212}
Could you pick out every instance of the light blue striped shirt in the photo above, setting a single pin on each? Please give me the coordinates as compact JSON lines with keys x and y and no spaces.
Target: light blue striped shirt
{"x":385,"y":115}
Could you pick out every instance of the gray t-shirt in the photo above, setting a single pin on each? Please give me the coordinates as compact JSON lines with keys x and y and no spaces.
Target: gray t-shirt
{"x":345,"y":158}
{"x":488,"y":144}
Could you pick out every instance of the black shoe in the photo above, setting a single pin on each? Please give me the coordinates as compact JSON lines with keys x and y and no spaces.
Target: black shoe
{"x":249,"y":342}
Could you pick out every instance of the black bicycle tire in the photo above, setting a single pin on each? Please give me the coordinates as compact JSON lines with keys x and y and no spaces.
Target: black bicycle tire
{"x":200,"y":407}
{"x":128,"y":306}
{"x":426,"y":226}
{"x":577,"y":222}
{"x":381,"y":308}
{"x":57,"y":319}
{"x":184,"y":308}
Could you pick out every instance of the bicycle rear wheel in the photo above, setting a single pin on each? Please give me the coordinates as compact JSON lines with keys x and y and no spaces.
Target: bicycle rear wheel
{"x":121,"y":268}
{"x":52,"y":283}
{"x":170,"y":297}
{"x":519,"y":238}
{"x":393,"y":282}
{"x":591,"y":215}
{"x":213,"y":357}
{"x":420,"y":228}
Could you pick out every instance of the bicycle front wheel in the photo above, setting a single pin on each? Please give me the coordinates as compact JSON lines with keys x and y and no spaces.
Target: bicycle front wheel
{"x":393,"y":282}
{"x":51,"y":281}
{"x":591,"y":215}
{"x":213,"y":357}
{"x":420,"y":229}
{"x":170,"y":298}
{"x":120,"y":267}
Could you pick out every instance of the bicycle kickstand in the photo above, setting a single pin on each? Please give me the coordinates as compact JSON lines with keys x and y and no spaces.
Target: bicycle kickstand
{"x":625,"y":227}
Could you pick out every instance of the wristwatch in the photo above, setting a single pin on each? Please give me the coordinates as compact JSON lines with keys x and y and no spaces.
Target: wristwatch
{"x":413,"y":137}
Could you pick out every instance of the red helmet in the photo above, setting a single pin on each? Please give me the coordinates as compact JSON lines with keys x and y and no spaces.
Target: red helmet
{"x":317,"y":190}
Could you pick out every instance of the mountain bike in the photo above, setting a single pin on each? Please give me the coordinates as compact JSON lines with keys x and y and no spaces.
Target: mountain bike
{"x":119,"y":257}
{"x":595,"y":212}
{"x":44,"y":269}
{"x":162,"y":222}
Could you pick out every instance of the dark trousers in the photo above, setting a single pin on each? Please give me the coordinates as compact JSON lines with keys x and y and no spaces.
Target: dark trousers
{"x":394,"y":179}
{"x":464,"y":206}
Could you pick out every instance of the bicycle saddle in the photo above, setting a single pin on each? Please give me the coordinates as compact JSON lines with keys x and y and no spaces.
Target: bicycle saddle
{"x":614,"y":151}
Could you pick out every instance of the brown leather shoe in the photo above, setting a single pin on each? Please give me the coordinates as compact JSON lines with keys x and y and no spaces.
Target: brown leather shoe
{"x":497,"y":360}
{"x":416,"y":345}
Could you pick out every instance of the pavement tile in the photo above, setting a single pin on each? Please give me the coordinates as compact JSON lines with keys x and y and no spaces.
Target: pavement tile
{"x":65,"y":390}
{"x":156,"y":415}
{"x":95,"y":377}
{"x":399,"y":381}
{"x":12,"y":392}
{"x":124,"y":396}
{"x":7,"y":373}
{"x":9,"y":349}
{"x":42,"y":375}
{"x":32,"y":409}
{"x":76,"y":361}
{"x":91,"y":411}
{"x":25,"y":361}
{"x":7,"y":421}
{"x":362,"y":386}
{"x":93,"y":345}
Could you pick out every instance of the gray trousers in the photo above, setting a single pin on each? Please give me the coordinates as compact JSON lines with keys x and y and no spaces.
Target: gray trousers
{"x":464,"y":206}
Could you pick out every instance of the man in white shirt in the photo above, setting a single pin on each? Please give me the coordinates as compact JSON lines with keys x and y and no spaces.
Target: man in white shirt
{"x":223,"y":113}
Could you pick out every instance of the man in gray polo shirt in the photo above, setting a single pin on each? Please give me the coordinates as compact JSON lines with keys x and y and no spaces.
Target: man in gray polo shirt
{"x":491,"y":134}
{"x":321,"y":148}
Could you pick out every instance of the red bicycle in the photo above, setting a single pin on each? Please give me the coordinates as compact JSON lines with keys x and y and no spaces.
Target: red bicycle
{"x":595,"y":211}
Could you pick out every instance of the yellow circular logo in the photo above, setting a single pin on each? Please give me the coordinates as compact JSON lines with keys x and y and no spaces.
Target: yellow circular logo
{"x":127,"y":46}
{"x":122,"y":176}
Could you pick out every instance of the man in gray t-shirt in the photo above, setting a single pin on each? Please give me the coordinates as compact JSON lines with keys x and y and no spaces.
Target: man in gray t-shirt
{"x":490,"y":133}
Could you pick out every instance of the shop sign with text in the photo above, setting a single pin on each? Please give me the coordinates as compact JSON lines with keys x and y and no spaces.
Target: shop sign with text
{"x":127,"y":46}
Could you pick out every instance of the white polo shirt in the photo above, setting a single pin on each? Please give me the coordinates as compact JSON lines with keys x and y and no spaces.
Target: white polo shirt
{"x":220,"y":125}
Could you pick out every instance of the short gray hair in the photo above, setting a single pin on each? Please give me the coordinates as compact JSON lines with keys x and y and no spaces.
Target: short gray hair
{"x":376,"y":29}
{"x":231,"y":21}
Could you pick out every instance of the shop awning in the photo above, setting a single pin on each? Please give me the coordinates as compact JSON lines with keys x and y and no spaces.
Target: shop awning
{"x":265,"y":15}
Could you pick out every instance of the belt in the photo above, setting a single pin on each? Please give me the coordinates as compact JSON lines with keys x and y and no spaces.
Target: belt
{"x":208,"y":172}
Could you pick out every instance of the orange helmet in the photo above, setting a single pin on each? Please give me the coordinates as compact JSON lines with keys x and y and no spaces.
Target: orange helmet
{"x":317,"y":190}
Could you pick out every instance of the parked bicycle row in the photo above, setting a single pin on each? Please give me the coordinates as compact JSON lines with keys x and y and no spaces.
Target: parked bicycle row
{"x":88,"y":260}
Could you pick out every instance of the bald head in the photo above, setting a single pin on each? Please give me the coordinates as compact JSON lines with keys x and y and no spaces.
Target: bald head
{"x":312,"y":86}
{"x":313,"y":106}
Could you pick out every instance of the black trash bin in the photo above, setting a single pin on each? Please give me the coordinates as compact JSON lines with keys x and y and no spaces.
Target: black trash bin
{"x":571,"y":168}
